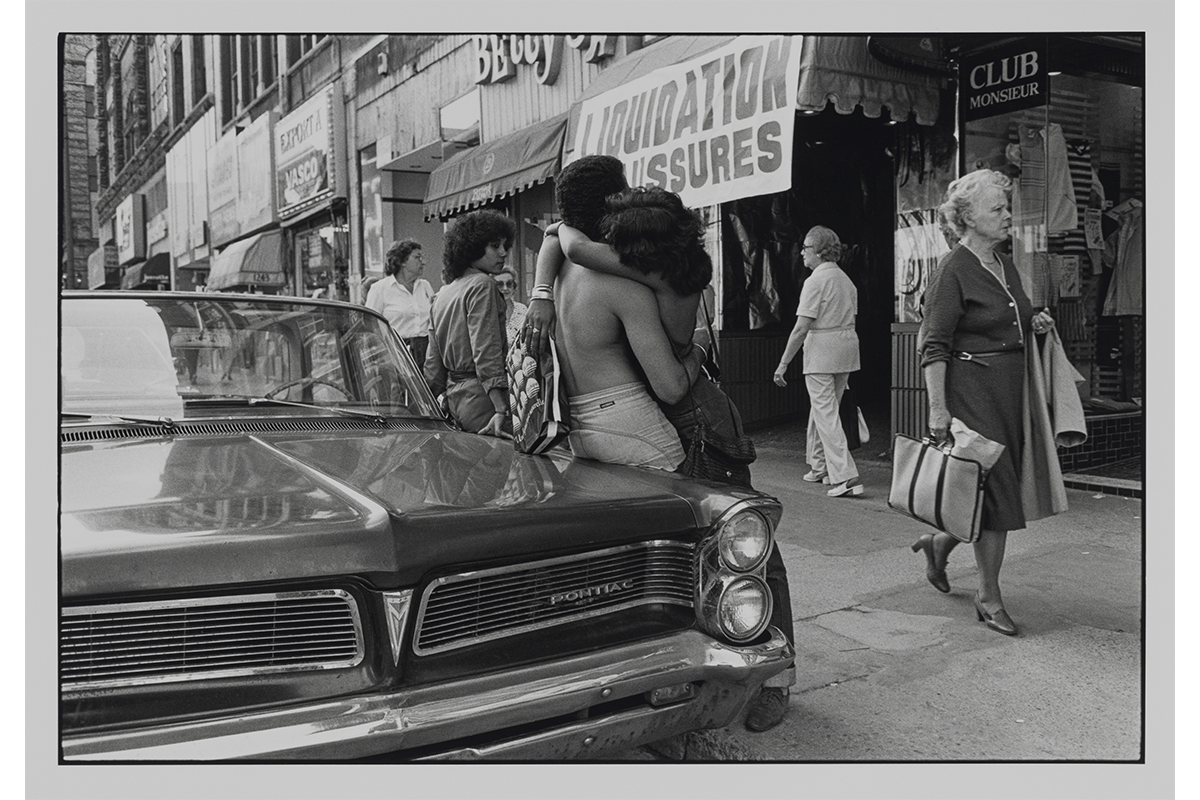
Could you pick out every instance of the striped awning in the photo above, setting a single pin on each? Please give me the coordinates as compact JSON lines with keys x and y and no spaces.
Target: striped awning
{"x":496,"y":169}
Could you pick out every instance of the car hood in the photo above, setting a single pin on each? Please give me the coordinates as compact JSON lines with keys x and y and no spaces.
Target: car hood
{"x":387,"y":506}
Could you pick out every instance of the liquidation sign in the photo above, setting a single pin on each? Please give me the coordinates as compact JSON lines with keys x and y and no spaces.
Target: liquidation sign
{"x":713,"y":129}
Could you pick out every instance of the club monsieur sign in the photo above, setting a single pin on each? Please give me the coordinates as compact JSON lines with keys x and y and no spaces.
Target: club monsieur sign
{"x":1004,"y":80}
{"x":713,"y":129}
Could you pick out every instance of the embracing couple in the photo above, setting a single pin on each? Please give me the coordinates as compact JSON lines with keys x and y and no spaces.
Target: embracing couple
{"x":619,"y":285}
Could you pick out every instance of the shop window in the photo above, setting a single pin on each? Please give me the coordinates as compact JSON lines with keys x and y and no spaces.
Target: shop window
{"x":230,"y":79}
{"x":371,"y":183}
{"x":459,"y":120}
{"x":178,"y":109}
{"x":199,"y":70}
{"x":300,"y":46}
{"x":1076,"y":160}
{"x":321,"y":256}
{"x":157,"y":60}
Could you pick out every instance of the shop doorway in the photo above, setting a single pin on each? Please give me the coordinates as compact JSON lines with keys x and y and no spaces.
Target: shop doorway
{"x":843,"y":178}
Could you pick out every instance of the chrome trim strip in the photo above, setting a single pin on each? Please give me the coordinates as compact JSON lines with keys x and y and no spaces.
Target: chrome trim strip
{"x":74,"y":689}
{"x":684,"y":548}
{"x":447,"y":713}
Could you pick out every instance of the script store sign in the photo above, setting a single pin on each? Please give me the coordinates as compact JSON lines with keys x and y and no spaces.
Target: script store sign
{"x":713,"y":129}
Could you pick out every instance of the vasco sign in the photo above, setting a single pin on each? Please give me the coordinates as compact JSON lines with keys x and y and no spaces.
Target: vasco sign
{"x":498,"y":57}
{"x":1001,"y":81}
{"x":713,"y":129}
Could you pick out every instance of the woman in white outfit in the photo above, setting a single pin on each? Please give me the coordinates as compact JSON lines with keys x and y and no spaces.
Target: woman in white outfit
{"x":825,"y":328}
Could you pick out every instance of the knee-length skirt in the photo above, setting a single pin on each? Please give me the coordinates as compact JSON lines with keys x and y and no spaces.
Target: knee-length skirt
{"x":987,"y":396}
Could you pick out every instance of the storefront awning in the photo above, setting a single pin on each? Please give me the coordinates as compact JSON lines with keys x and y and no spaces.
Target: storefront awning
{"x":152,"y":272}
{"x":496,"y":169}
{"x":840,"y":70}
{"x":257,"y":260}
{"x":832,"y":68}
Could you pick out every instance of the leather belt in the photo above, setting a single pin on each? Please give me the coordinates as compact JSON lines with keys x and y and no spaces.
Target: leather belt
{"x":964,"y":356}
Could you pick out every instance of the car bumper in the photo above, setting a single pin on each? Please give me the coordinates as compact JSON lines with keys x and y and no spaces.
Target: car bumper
{"x":579,"y":707}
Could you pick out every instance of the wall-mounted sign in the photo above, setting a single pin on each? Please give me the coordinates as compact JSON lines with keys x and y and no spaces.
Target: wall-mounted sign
{"x":713,"y":129}
{"x":131,"y":229}
{"x":1005,"y":79}
{"x":223,"y":189}
{"x":256,"y":178}
{"x":497,"y":58}
{"x":305,"y":154}
{"x":156,"y":228}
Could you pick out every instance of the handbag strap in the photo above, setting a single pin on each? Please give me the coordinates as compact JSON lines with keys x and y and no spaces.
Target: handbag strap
{"x":712,"y":337}
{"x":912,"y":486}
{"x":941,"y":486}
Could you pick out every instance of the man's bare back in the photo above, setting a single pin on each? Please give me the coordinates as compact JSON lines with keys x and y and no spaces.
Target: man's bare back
{"x":606,"y":326}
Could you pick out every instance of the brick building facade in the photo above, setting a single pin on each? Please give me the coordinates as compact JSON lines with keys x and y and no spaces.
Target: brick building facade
{"x":79,"y":171}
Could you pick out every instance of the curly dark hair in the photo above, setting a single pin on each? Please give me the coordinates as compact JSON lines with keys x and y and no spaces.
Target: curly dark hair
{"x":653,"y":231}
{"x":582,"y":187}
{"x":468,"y":238}
{"x":397,"y":254}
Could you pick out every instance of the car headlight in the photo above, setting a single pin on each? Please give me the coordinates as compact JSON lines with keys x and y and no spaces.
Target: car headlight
{"x":736,"y":607}
{"x":744,"y":540}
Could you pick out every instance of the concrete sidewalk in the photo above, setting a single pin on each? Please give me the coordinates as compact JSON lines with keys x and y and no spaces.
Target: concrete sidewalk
{"x":890,"y":669}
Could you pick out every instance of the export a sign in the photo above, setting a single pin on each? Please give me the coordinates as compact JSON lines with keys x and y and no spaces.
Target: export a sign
{"x":304,"y":149}
{"x":713,"y":129}
{"x":1004,"y":80}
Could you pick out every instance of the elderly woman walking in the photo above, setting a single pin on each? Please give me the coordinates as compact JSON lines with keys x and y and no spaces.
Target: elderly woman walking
{"x":466,"y":330}
{"x":825,"y":328}
{"x":977,"y":322}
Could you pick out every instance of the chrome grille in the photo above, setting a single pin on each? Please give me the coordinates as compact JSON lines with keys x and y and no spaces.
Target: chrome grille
{"x":474,"y":607}
{"x":133,"y":644}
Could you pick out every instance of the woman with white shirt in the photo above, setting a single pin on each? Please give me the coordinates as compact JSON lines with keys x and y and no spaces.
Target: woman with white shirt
{"x":825,"y":328}
{"x":404,"y":297}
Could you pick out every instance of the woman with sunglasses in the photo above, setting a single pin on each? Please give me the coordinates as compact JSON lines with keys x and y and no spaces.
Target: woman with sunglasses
{"x":825,"y":329}
{"x":514,"y":312}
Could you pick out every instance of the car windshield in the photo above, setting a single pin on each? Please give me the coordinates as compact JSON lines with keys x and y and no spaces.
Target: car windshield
{"x":150,"y":356}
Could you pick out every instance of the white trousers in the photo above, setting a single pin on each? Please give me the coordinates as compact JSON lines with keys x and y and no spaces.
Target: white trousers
{"x":827,"y":447}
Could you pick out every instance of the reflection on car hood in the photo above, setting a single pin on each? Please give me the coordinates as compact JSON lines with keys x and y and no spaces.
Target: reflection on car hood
{"x":202,"y":511}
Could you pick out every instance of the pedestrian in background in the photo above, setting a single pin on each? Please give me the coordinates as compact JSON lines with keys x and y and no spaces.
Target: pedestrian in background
{"x":404,"y":297}
{"x":514,"y":312}
{"x":825,"y":329}
{"x":977,"y":319}
{"x":466,"y":331}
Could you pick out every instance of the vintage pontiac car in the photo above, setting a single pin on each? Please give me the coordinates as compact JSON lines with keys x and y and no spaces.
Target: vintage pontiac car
{"x":274,"y":546}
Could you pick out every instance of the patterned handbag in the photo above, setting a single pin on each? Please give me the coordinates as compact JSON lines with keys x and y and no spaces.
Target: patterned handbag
{"x":537,"y":399}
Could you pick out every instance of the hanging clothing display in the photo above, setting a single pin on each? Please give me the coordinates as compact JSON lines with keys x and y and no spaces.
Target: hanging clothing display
{"x":1043,"y":202}
{"x":1125,"y":289}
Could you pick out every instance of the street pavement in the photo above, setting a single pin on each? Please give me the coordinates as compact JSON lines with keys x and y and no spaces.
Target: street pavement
{"x":890,"y":669}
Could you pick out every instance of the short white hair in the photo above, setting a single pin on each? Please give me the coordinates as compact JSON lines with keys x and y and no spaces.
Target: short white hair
{"x":962,"y":193}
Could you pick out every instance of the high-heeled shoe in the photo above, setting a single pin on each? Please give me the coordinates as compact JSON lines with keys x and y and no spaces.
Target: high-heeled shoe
{"x":935,"y":574}
{"x":1000,"y":621}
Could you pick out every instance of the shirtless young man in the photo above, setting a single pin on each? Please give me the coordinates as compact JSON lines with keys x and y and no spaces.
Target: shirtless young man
{"x":674,"y":281}
{"x":612,"y":345}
